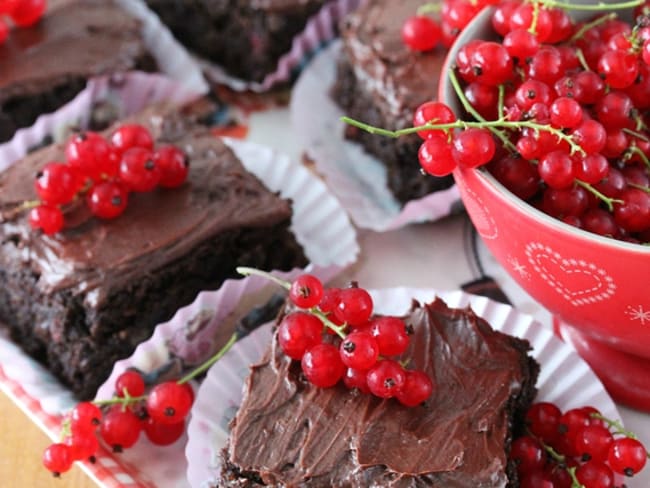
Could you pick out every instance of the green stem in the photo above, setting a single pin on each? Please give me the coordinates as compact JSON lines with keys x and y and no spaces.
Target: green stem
{"x":245,"y":271}
{"x":500,"y":102}
{"x":472,"y":111}
{"x":533,"y":23}
{"x":618,"y":426}
{"x":639,"y":187}
{"x":338,"y":329}
{"x":590,"y":25}
{"x":596,"y":7}
{"x":429,"y":8}
{"x":205,"y":366}
{"x":608,"y":201}
{"x":636,"y":134}
{"x":634,"y":149}
{"x":124,"y":401}
{"x":581,"y":58}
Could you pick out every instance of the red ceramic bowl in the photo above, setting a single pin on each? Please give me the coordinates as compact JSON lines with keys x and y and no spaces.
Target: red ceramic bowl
{"x":597,"y":288}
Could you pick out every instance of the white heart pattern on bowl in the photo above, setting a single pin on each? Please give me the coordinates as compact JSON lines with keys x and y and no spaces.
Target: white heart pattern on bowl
{"x":578,"y":281}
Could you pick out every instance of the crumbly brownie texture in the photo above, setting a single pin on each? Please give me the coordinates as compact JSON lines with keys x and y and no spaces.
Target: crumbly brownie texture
{"x":246,"y":37}
{"x":45,"y":66}
{"x":381,"y":82}
{"x":82,"y":299}
{"x":288,"y":433}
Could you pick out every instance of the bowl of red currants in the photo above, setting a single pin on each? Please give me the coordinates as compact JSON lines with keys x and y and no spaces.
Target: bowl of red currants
{"x":548,"y":138}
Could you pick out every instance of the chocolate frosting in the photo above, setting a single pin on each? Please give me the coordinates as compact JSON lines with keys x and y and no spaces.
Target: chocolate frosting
{"x":398,"y":78}
{"x":77,"y":39}
{"x":292,"y":434}
{"x":92,"y":256}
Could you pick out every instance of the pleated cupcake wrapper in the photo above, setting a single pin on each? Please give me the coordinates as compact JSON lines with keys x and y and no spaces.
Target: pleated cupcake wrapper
{"x":319,"y":30}
{"x":122,"y":95}
{"x":564,"y":379}
{"x":357,"y":178}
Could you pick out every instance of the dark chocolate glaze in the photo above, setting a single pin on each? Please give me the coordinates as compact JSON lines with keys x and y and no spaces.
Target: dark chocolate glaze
{"x":399,"y":79}
{"x":288,"y":433}
{"x":74,"y":40}
{"x":92,"y":257}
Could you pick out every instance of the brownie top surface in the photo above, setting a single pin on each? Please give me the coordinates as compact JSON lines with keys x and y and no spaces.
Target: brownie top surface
{"x":75,"y":39}
{"x":399,"y":79}
{"x":289,"y":432}
{"x":156,"y":228}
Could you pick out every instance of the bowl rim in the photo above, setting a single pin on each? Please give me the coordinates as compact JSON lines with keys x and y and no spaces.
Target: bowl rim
{"x":446,"y":95}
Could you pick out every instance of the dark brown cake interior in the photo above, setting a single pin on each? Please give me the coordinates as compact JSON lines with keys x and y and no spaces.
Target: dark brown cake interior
{"x":83,"y":298}
{"x":45,"y":66}
{"x":381,"y":82}
{"x":246,"y":37}
{"x":288,"y":433}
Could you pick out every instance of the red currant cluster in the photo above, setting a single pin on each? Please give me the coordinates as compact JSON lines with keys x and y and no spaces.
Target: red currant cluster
{"x":23,"y":13}
{"x":160,"y":414}
{"x":577,"y":448}
{"x":105,"y":171}
{"x":335,"y":337}
{"x":424,"y":33}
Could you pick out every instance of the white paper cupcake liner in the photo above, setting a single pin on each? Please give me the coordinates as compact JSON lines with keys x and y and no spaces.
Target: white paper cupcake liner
{"x":355,"y":176}
{"x":320,"y":29}
{"x":125,"y":94}
{"x":565,"y":378}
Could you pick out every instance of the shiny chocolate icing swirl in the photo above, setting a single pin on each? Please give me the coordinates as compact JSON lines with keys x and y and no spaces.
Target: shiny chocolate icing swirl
{"x":398,"y":78}
{"x":289,"y":433}
{"x":91,"y":256}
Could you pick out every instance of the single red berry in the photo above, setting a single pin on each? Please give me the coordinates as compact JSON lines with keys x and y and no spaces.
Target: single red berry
{"x":566,"y":113}
{"x":632,"y":213}
{"x":359,"y":350}
{"x":138,"y":170}
{"x":473,"y":147}
{"x":391,"y":335}
{"x":421,"y":33}
{"x":386,"y":378}
{"x":524,"y":16}
{"x":417,"y":388}
{"x":521,"y":44}
{"x":484,"y":98}
{"x":354,"y":306}
{"x":130,"y":381}
{"x":542,"y":419}
{"x":168,"y":403}
{"x":163,"y":434}
{"x":27,"y":12}
{"x":594,"y":474}
{"x":502,"y":14}
{"x":46,"y":217}
{"x":627,"y":456}
{"x":107,"y":199}
{"x":298,"y":332}
{"x":85,"y":417}
{"x":57,"y":458}
{"x":354,"y":378}
{"x":91,"y":155}
{"x":536,"y":479}
{"x":433,"y":113}
{"x":120,"y":428}
{"x":436,"y":157}
{"x":56,"y":183}
{"x":517,"y":174}
{"x":556,"y":169}
{"x":593,"y":441}
{"x":306,"y":291}
{"x":131,"y":135}
{"x":528,"y":454}
{"x":546,"y":65}
{"x":322,"y":365}
{"x":82,"y":445}
{"x":619,"y":69}
{"x":590,"y":135}
{"x":491,"y":63}
{"x":571,"y":422}
{"x":591,"y":169}
{"x":173,"y":164}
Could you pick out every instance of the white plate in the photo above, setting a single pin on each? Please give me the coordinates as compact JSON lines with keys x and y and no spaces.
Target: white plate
{"x":356,"y":178}
{"x":565,"y":378}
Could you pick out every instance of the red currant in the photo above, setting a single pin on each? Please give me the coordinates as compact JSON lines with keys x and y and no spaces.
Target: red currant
{"x":386,"y":378}
{"x":82,"y":445}
{"x":354,"y":306}
{"x":528,"y":454}
{"x":168,"y":403}
{"x":163,"y":434}
{"x":322,"y":365}
{"x":91,"y":155}
{"x":130,"y":382}
{"x":416,"y":390}
{"x":173,"y":164}
{"x":436,"y":157}
{"x":433,"y":113}
{"x":120,"y":428}
{"x":138,"y":170}
{"x":27,"y":12}
{"x":359,"y":350}
{"x":107,"y":199}
{"x":85,"y":417}
{"x":298,"y":332}
{"x":306,"y":291}
{"x":391,"y":335}
{"x":542,"y":419}
{"x":627,"y":456}
{"x":57,"y":458}
{"x":56,"y":183}
{"x":128,"y":136}
{"x":593,"y":441}
{"x":473,"y":147}
{"x":46,"y":217}
{"x":594,"y":474}
{"x":421,"y":33}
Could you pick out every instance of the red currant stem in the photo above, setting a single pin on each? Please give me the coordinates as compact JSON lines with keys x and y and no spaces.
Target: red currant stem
{"x":404,"y":362}
{"x":633,"y":149}
{"x":639,"y":187}
{"x":582,"y":60}
{"x":472,"y":111}
{"x":245,"y":271}
{"x":608,"y":201}
{"x":596,"y":7}
{"x":560,"y":459}
{"x":206,"y":365}
{"x":65,"y":429}
{"x":124,"y":401}
{"x":428,"y":8}
{"x":338,"y":329}
{"x":575,"y":483}
{"x":18,"y":209}
{"x":636,"y":134}
{"x":500,"y":104}
{"x":533,"y":23}
{"x":614,"y":424}
{"x":590,"y":25}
